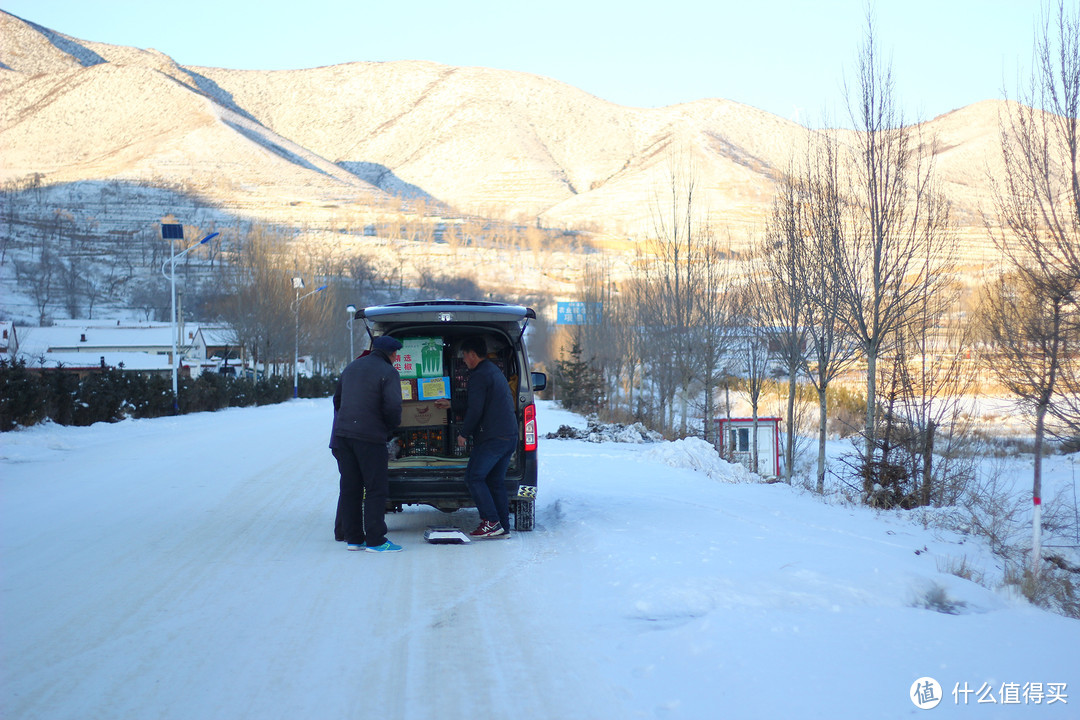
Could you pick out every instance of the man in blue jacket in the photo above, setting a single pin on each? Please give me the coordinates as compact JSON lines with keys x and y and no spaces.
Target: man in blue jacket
{"x":367,"y":410}
{"x":491,"y":421}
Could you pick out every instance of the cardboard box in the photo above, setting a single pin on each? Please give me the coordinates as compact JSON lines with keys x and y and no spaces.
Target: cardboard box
{"x":415,"y":414}
{"x":434,"y":388}
{"x":408,"y":391}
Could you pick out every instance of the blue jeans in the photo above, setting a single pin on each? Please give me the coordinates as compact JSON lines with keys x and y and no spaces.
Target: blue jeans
{"x":485,"y":477}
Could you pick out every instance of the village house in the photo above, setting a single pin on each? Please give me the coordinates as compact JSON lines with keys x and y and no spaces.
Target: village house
{"x":9,"y":341}
{"x":85,"y":345}
{"x":89,"y":345}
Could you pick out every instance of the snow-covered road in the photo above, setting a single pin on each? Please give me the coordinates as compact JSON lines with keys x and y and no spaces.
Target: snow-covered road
{"x":185,"y":568}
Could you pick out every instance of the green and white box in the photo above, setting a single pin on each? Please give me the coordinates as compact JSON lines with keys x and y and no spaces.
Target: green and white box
{"x":420,"y":357}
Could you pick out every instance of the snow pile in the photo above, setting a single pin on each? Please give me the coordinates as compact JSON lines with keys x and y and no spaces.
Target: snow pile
{"x":697,"y":454}
{"x":691,"y":453}
{"x":613,"y":432}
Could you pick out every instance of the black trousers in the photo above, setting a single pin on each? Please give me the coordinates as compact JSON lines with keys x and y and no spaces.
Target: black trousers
{"x":364,"y":487}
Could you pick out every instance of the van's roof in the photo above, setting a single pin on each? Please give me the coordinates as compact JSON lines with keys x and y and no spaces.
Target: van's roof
{"x":446,"y":311}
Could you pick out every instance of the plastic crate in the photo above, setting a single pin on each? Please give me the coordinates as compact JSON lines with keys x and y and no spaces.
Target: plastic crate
{"x":455,"y":449}
{"x":413,"y":442}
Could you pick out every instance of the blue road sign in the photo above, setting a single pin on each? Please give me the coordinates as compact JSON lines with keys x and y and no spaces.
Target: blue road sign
{"x":579,"y":313}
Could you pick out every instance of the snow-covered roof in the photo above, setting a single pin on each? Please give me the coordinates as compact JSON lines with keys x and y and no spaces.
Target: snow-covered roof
{"x":76,"y":338}
{"x":217,"y":335}
{"x":83,"y":337}
{"x":106,"y":322}
{"x":139,"y":361}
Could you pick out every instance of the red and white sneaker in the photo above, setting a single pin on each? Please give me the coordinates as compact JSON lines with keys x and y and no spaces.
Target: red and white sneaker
{"x":489,"y":530}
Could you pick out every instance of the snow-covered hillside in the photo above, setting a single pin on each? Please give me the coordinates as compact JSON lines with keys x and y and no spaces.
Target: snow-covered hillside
{"x":186,"y":568}
{"x":298,"y":145}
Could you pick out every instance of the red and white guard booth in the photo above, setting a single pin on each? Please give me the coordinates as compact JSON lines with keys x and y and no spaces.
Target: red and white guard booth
{"x":733,"y":442}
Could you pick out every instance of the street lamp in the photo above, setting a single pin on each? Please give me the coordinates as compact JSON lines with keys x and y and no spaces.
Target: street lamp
{"x":172,"y":233}
{"x":351,"y":309}
{"x":298,"y":285}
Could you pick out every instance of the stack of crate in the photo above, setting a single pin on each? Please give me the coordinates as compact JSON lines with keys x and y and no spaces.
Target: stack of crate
{"x":424,"y":431}
{"x":459,"y":383}
{"x":414,"y":442}
{"x":459,"y":390}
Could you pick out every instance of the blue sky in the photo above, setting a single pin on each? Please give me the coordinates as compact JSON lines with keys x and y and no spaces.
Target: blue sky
{"x":788,"y":57}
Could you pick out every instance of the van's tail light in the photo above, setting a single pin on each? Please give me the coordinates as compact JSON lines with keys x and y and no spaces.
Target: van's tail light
{"x":530,"y":427}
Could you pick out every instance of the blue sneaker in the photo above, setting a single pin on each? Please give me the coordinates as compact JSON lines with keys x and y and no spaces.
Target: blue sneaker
{"x":385,"y":547}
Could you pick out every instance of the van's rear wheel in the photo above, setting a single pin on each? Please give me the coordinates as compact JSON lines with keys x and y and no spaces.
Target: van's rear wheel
{"x":524,"y":514}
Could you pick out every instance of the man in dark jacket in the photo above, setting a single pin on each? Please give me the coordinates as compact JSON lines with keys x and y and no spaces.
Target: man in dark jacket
{"x":491,"y":421}
{"x":367,"y":409}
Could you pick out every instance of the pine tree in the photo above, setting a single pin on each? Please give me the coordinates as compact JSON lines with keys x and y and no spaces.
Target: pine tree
{"x":580,"y":386}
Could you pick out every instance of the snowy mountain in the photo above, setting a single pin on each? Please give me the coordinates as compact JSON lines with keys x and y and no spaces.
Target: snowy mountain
{"x":185,"y":568}
{"x":485,"y":141}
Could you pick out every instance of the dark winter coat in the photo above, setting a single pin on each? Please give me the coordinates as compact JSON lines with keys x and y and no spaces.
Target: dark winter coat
{"x":489,"y":411}
{"x":367,"y":400}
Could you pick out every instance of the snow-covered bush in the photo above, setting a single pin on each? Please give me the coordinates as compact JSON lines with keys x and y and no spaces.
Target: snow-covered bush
{"x":613,"y":432}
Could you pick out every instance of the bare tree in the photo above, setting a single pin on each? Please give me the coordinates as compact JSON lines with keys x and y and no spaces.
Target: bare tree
{"x":40,"y":279}
{"x":934,"y":376}
{"x":671,"y":272}
{"x":602,"y":338}
{"x":929,"y":413}
{"x":718,"y":313}
{"x":9,"y":215}
{"x":657,"y":344}
{"x":880,"y":263}
{"x":258,"y":304}
{"x":779,"y":296}
{"x":1034,"y":319}
{"x":629,"y":316}
{"x":752,"y":351}
{"x":70,"y":284}
{"x":921,"y":369}
{"x":683,"y":300}
{"x":830,"y":347}
{"x":1028,"y":322}
{"x":1038,"y":198}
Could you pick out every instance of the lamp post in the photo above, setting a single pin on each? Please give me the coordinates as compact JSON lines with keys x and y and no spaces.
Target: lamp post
{"x":351,"y":309}
{"x":298,"y":285}
{"x":172,"y":233}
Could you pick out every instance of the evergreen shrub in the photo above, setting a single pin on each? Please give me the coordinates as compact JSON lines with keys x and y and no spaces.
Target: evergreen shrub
{"x":29,"y":397}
